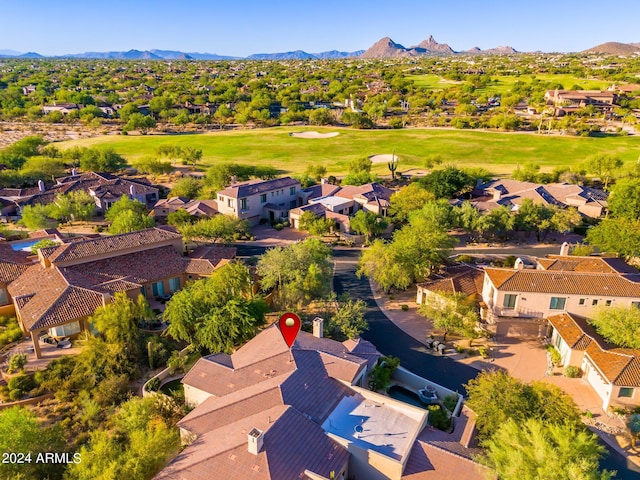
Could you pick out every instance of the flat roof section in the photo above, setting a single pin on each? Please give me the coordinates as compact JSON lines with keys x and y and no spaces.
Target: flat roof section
{"x":371,"y":425}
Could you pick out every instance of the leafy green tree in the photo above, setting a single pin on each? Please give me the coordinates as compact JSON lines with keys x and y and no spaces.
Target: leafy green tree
{"x":380,"y":376}
{"x":452,"y":314}
{"x":43,"y":244}
{"x":42,"y":168}
{"x":528,"y":173}
{"x":180,"y":217}
{"x":187,"y":187}
{"x":624,"y":201}
{"x":138,"y":121}
{"x":153,"y":166}
{"x":619,"y":325}
{"x":412,"y":197}
{"x":603,"y":166}
{"x":219,"y":228}
{"x":367,"y":223}
{"x":118,"y":320}
{"x":316,"y":171}
{"x":447,"y":182}
{"x":22,"y":433}
{"x":129,"y":221}
{"x":27,"y":146}
{"x":73,"y":206}
{"x":616,"y":235}
{"x":533,"y":450}
{"x":218,"y":313}
{"x":300,"y":272}
{"x":316,"y":225}
{"x":37,"y":217}
{"x":359,"y":172}
{"x":496,"y":397}
{"x":348,"y":321}
{"x":102,"y":160}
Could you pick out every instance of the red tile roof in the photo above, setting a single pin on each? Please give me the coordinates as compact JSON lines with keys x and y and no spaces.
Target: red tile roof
{"x":432,"y":462}
{"x":565,"y":282}
{"x":468,"y":281}
{"x":111,"y":244}
{"x":587,"y":264}
{"x":620,"y":366}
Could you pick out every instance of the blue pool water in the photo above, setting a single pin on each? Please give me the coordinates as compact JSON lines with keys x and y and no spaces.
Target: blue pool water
{"x":24,"y":244}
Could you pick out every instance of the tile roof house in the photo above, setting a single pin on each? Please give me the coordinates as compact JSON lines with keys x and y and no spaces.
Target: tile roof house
{"x":510,"y":193}
{"x":569,"y":101}
{"x":105,"y":188}
{"x":196,"y":208}
{"x":63,"y":288}
{"x":257,"y":199}
{"x":613,"y":372}
{"x":465,"y":279}
{"x":559,"y":284}
{"x":270,"y":412}
{"x":330,"y":201}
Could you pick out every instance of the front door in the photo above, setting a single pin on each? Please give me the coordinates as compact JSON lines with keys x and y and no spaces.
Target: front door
{"x":157,"y":289}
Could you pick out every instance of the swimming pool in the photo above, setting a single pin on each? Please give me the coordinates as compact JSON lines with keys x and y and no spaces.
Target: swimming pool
{"x":25,"y":245}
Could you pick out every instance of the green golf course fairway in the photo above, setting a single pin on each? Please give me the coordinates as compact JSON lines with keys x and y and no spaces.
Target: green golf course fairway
{"x":498,"y":152}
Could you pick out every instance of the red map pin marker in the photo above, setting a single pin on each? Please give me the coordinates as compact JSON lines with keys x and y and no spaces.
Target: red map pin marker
{"x":289,"y":324}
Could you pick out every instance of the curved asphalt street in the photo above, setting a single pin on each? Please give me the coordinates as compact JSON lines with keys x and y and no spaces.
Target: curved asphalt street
{"x":391,"y":340}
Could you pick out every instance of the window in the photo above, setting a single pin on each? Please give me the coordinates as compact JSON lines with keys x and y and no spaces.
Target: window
{"x":65,"y":330}
{"x":510,"y":300}
{"x":174,"y":284}
{"x":582,"y":302}
{"x":229,"y":202}
{"x":607,"y":303}
{"x":293,"y":204}
{"x":263,"y":198}
{"x":594,"y":302}
{"x":626,"y":392}
{"x":557,"y":303}
{"x":157,"y":289}
{"x":4,"y":298}
{"x":243,"y":204}
{"x":292,"y":191}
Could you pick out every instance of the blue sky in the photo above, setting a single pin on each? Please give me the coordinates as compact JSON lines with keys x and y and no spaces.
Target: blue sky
{"x":240,"y":28}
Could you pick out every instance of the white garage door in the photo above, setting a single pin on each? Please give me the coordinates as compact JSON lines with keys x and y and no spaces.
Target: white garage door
{"x":601,"y":387}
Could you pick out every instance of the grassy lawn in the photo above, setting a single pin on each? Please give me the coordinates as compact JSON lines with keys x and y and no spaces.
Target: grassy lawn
{"x":498,"y":152}
{"x":502,"y":84}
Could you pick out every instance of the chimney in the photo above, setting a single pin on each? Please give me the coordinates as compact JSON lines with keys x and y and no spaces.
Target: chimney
{"x":564,"y":249}
{"x":41,"y":185}
{"x":233,"y":179}
{"x":497,"y":195}
{"x":74,"y":172}
{"x":132,"y":191}
{"x":519,"y":264}
{"x":318,"y":327}
{"x":255,"y":441}
{"x":323,"y":181}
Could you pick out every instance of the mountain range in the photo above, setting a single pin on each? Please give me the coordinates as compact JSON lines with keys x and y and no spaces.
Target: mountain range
{"x":383,"y":48}
{"x":386,"y":48}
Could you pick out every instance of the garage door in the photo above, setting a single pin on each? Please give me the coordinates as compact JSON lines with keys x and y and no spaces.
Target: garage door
{"x":601,"y":387}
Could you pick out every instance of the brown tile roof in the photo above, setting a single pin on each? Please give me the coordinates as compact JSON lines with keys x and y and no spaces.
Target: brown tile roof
{"x":201,"y":208}
{"x":587,"y":264}
{"x":10,"y":271}
{"x":469,"y":281}
{"x":48,"y":300}
{"x":570,"y":331}
{"x":431,"y":462}
{"x":138,"y":267}
{"x":112,"y":244}
{"x":565,"y":282}
{"x":205,"y":259}
{"x":255,"y":187}
{"x":322,"y":190}
{"x":620,"y":366}
{"x":9,"y":255}
{"x":292,"y":444}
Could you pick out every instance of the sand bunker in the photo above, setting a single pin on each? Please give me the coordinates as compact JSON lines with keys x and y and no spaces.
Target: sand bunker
{"x":386,"y":158}
{"x":313,"y":134}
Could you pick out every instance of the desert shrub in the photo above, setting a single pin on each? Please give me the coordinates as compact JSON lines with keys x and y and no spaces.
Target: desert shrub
{"x":21,"y":385}
{"x":439,"y":418}
{"x":153,"y":385}
{"x":450,"y":402}
{"x":571,"y":371}
{"x":17,"y":362}
{"x":404,"y":307}
{"x":176,"y":361}
{"x":556,"y":358}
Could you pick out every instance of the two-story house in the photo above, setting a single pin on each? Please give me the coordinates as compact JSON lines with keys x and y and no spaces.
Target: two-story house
{"x":59,"y":292}
{"x":559,"y":284}
{"x":257,"y":199}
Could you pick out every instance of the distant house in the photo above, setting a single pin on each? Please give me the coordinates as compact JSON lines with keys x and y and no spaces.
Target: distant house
{"x":196,"y":208}
{"x":63,"y":108}
{"x":260,"y":199}
{"x":568,"y":101}
{"x":271,"y":412}
{"x":493,"y":194}
{"x":59,"y":292}
{"x":464,"y":279}
{"x":105,"y":188}
{"x":340,"y":203}
{"x":613,"y":372}
{"x":29,"y":89}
